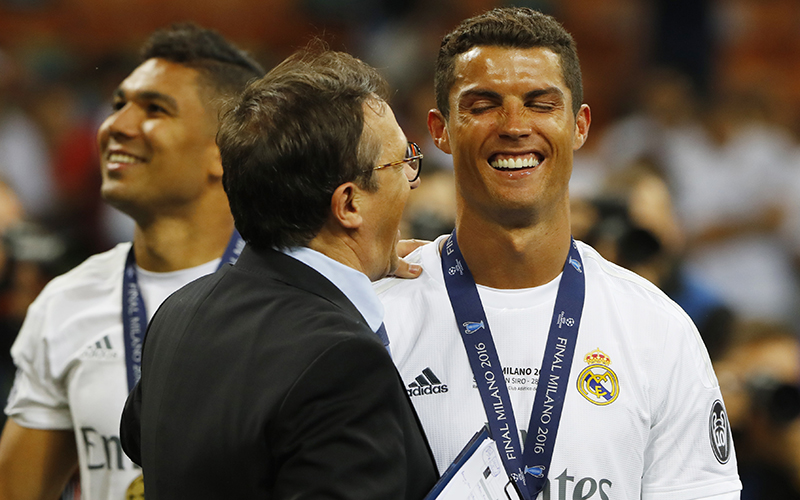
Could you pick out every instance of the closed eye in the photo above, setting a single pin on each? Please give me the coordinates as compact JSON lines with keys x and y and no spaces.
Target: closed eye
{"x":477,"y":101}
{"x":542,"y":106}
{"x":545,"y":99}
{"x":479,"y":108}
{"x":155,"y":108}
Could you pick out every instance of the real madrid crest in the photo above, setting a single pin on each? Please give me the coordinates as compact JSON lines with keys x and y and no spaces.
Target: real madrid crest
{"x":597,"y":382}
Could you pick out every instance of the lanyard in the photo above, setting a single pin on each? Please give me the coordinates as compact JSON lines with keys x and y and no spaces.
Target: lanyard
{"x":528,"y":469}
{"x":134,"y":316}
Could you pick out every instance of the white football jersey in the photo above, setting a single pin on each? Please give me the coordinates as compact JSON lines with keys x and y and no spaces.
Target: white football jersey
{"x":71,"y":371}
{"x":643,"y":416}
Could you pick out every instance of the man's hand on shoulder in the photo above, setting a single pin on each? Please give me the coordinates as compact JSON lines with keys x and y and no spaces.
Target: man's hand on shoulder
{"x":403,"y":269}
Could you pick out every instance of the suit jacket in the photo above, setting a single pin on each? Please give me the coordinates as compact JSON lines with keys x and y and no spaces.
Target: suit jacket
{"x":264,"y":381}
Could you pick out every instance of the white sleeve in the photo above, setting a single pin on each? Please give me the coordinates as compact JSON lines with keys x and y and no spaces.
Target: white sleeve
{"x":689,"y":455}
{"x":37,"y":400}
{"x":734,"y":495}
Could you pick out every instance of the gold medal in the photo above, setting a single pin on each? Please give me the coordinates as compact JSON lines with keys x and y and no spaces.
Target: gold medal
{"x":135,"y":490}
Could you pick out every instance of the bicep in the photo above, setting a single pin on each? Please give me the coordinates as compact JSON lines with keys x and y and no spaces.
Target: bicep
{"x":35,"y":463}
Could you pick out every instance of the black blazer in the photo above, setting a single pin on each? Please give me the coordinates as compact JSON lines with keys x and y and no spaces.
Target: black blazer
{"x":263,"y":381}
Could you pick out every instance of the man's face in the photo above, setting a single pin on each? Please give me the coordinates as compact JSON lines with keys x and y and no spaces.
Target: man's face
{"x":157,"y":149}
{"x":511,"y":132}
{"x":384,"y":207}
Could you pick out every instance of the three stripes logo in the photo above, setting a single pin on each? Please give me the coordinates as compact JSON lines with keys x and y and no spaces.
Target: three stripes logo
{"x":102,"y":349}
{"x":426,"y":383}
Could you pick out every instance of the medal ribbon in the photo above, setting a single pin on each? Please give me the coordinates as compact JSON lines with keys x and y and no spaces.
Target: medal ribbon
{"x":134,"y":315}
{"x":528,"y":468}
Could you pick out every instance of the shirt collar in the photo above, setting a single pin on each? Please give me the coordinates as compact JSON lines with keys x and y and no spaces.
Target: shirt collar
{"x":353,"y":284}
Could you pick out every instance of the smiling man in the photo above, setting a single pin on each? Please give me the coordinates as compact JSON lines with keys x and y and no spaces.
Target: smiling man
{"x":78,"y":353}
{"x":593,"y":383}
{"x":270,"y":379}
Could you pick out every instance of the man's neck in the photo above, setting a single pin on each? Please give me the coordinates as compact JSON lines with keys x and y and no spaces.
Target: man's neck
{"x":337,"y":247}
{"x":167,"y":244}
{"x":513,"y":258}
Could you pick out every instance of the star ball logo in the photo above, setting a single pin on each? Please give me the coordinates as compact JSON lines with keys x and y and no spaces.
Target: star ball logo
{"x":458,"y":268}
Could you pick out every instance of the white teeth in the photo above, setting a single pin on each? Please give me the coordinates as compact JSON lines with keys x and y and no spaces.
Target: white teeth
{"x":516,"y":163}
{"x":122,"y":158}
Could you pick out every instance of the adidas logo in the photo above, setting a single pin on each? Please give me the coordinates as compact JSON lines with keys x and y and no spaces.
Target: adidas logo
{"x":426,"y":383}
{"x":102,"y":349}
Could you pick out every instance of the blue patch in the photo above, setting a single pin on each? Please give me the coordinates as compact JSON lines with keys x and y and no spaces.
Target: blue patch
{"x":473,"y":326}
{"x":574,"y":263}
{"x":536,"y":471}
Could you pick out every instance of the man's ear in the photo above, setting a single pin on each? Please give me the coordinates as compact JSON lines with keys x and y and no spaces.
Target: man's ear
{"x":215,"y":167}
{"x":582,"y":123}
{"x":437,"y":126}
{"x":346,"y":206}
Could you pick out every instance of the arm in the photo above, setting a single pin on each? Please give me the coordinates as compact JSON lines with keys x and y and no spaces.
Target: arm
{"x":38,"y":453}
{"x":690,"y":452}
{"x":35,"y":464}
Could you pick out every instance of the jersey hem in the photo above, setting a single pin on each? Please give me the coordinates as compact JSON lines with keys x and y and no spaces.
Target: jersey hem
{"x":707,"y":490}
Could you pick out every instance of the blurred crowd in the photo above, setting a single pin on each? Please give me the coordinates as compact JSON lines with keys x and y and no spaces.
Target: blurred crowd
{"x":691,"y":183}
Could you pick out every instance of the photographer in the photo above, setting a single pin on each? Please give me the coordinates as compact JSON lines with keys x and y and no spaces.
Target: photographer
{"x":759,"y":375}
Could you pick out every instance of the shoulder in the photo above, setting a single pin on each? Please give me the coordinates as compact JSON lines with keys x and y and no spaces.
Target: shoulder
{"x":627,"y":286}
{"x":250,"y":302}
{"x":427,"y":256}
{"x":652,"y":321}
{"x":74,"y":309}
{"x":97,"y":275}
{"x":278,"y":333}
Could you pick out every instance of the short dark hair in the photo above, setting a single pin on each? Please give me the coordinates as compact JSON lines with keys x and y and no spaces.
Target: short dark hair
{"x":291,"y":139}
{"x":223,"y":68}
{"x":513,"y":27}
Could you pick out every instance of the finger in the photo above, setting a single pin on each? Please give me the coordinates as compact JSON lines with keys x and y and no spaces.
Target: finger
{"x":407,"y":270}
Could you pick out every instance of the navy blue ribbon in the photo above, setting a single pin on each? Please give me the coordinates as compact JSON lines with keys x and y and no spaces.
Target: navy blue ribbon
{"x":134,"y":315}
{"x":381,"y":333}
{"x":528,"y":468}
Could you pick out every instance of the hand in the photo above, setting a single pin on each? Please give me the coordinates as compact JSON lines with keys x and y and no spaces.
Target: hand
{"x":404,"y":269}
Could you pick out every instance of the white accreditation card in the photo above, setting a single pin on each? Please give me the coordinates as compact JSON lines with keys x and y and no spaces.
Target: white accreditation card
{"x":476,"y":474}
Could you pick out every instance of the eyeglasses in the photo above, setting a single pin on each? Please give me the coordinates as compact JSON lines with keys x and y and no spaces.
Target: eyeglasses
{"x":413,"y":162}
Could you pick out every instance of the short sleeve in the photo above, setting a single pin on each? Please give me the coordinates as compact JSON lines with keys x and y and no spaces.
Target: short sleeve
{"x":37,"y":399}
{"x":689,"y":454}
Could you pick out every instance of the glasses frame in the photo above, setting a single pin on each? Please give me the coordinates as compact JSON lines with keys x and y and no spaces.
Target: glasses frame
{"x":412,"y":146}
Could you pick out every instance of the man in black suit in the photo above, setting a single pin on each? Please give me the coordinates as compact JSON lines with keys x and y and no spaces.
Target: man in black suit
{"x":271,"y":378}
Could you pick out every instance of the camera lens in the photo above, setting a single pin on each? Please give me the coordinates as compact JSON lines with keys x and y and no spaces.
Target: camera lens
{"x":780,"y":400}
